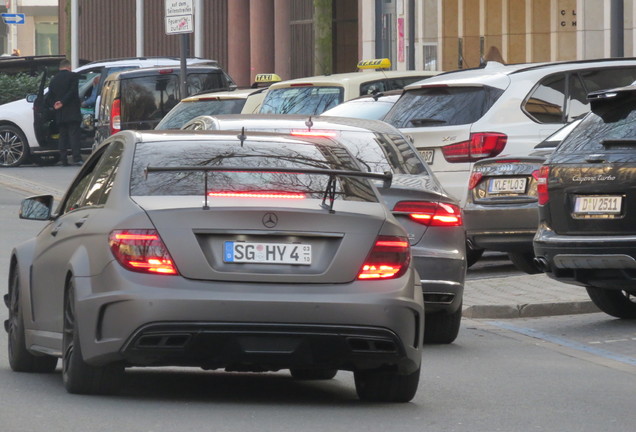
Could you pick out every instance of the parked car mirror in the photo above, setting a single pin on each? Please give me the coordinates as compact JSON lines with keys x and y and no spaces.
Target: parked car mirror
{"x":37,"y":207}
{"x":31,"y":98}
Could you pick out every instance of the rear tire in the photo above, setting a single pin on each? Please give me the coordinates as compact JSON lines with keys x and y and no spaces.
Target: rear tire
{"x":20,"y":359}
{"x":385,"y":386}
{"x":442,"y":327}
{"x":14,"y":149}
{"x":617,"y":303}
{"x":313,"y":374}
{"x":524,"y":261}
{"x":78,"y":376}
{"x":473,"y":255}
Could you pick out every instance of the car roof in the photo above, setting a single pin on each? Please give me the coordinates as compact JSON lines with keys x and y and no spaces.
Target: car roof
{"x":222,"y":94}
{"x":297,"y":121}
{"x":158,"y":70}
{"x":498,"y":75}
{"x":350,"y":78}
{"x":149,"y":61}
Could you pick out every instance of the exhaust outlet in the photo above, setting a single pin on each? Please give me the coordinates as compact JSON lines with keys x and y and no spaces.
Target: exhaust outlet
{"x":542,"y":264}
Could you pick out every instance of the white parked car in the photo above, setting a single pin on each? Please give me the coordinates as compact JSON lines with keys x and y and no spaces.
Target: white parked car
{"x":458,"y":118}
{"x":20,"y":142}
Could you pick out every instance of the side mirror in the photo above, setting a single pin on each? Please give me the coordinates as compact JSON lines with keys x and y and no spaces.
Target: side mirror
{"x":37,"y":208}
{"x":31,"y":98}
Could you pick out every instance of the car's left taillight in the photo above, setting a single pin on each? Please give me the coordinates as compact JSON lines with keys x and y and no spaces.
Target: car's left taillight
{"x":430,"y":213}
{"x":141,"y":250}
{"x":389,"y":258}
{"x":479,"y":146}
{"x":115,"y":117}
{"x":541,"y":176}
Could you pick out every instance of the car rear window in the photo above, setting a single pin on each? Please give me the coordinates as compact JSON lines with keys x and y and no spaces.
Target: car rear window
{"x":612,"y":123}
{"x":442,"y":106}
{"x":254,"y":154}
{"x":186,"y":111}
{"x":301,"y":100}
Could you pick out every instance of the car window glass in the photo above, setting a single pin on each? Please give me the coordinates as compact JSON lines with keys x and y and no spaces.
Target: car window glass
{"x":147,"y":98}
{"x":545,"y":102}
{"x":442,"y":106}
{"x":102,"y":182}
{"x":365,"y":109}
{"x":578,"y":104}
{"x":75,"y":195}
{"x":614,"y":122}
{"x":602,"y":79}
{"x":372,"y":87}
{"x":186,"y":111}
{"x":301,"y":100}
{"x":200,"y":82}
{"x":252,"y":154}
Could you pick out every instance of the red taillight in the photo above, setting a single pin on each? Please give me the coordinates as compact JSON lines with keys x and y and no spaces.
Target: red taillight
{"x":541,"y":176}
{"x":480,"y":146}
{"x":389,"y":258}
{"x":115,"y":117}
{"x":310,"y":133}
{"x":302,"y":85}
{"x":430,"y":213}
{"x":142,"y":251}
{"x":254,"y":194}
{"x":474,"y":179}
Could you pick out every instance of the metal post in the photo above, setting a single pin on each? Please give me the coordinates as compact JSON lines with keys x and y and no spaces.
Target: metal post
{"x":411,"y":53}
{"x":139,"y":28}
{"x":182,"y":72}
{"x":616,"y":29}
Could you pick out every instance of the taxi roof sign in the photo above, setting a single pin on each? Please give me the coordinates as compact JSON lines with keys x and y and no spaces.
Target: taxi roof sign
{"x":267,"y":78}
{"x":383,"y":63}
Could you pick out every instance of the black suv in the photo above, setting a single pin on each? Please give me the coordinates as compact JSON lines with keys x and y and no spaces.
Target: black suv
{"x":587,"y":205}
{"x":140,"y":98}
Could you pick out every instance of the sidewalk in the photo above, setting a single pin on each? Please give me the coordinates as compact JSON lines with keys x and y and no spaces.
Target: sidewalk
{"x":522,"y":297}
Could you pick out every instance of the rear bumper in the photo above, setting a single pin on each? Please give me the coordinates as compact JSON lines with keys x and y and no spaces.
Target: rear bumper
{"x":170,"y":320}
{"x":501,"y":228}
{"x":601,"y":261}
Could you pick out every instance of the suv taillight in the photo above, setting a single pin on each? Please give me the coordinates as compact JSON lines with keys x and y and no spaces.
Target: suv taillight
{"x":430,"y":213}
{"x":389,"y":258}
{"x":541,"y":176}
{"x":115,"y":117}
{"x":141,"y":250}
{"x":480,"y":146}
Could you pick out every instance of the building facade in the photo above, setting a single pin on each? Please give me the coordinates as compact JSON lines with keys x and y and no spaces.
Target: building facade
{"x":38,"y":35}
{"x":295,"y":38}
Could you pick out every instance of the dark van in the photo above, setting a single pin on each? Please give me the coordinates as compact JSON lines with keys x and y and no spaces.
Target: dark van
{"x":139,"y":99}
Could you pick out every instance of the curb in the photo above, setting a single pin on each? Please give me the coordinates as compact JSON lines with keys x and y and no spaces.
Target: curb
{"x":529,"y":310}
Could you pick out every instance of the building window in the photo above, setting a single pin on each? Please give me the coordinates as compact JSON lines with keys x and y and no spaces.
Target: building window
{"x":46,"y":38}
{"x":430,"y":57}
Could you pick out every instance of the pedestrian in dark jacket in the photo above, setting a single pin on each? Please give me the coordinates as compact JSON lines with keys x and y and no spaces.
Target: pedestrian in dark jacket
{"x":63,"y":93}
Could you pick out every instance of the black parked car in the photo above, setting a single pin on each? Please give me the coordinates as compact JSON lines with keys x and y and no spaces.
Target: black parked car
{"x":587,"y":205}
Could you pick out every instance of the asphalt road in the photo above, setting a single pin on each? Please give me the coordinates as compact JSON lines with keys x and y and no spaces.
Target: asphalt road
{"x":569,"y":373}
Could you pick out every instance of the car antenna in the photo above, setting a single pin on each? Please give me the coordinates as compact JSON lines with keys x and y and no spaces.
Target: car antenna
{"x":309,"y":124}
{"x":242,"y":136}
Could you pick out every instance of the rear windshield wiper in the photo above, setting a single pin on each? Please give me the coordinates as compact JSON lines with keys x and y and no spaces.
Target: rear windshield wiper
{"x":618,"y":142}
{"x":423,"y":121}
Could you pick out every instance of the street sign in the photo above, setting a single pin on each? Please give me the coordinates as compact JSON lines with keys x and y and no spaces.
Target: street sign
{"x":179,"y":16}
{"x":13,"y":18}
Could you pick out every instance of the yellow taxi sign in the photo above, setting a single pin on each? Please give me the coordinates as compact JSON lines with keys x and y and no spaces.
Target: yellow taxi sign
{"x":383,"y":63}
{"x":267,"y":78}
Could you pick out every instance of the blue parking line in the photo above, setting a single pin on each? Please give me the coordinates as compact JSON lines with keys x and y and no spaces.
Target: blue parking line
{"x":566,"y":343}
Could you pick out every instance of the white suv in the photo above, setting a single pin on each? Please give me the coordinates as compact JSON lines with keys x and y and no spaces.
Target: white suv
{"x":457,"y":118}
{"x":21,"y":142}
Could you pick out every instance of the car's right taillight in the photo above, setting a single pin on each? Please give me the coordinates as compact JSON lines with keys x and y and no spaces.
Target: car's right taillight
{"x":430,"y":213}
{"x":141,"y":250}
{"x":541,"y":176}
{"x":389,"y":258}
{"x":115,"y":117}
{"x":479,"y":146}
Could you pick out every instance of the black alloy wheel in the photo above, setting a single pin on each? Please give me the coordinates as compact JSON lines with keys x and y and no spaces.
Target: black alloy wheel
{"x":14,"y":149}
{"x":442,"y":327}
{"x":20,"y":359}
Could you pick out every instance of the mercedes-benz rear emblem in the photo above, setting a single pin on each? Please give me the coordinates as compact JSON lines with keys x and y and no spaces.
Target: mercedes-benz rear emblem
{"x":270,"y":220}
